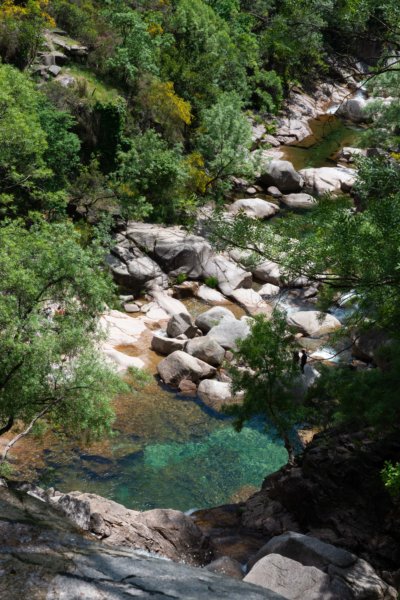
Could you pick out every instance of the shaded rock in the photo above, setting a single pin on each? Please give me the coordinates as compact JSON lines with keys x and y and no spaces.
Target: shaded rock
{"x":179,"y":365}
{"x":313,"y":323}
{"x":228,"y":274}
{"x":211,"y":296}
{"x":169,"y":533}
{"x":187,"y":387}
{"x":187,"y":289}
{"x":181,"y":324}
{"x":212,"y":317}
{"x":335,"y":493}
{"x":134,"y":270}
{"x":302,"y":201}
{"x":353,"y":109}
{"x":255,"y":208}
{"x":328,"y":180}
{"x":366,"y":344}
{"x":207,"y":350}
{"x":307,"y":550}
{"x":52,"y":559}
{"x":229,"y":331}
{"x":349,"y":575}
{"x":281,"y":174}
{"x":290,"y":579}
{"x":226,"y":566}
{"x":164,"y":345}
{"x":173,"y":248}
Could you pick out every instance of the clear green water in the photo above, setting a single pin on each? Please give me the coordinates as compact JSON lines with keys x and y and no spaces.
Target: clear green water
{"x":168,"y":451}
{"x":330,"y":135}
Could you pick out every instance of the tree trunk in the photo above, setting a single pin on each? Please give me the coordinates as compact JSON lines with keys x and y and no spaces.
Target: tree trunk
{"x":12,"y":442}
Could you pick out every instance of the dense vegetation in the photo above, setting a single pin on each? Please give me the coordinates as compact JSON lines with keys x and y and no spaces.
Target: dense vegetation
{"x":150,"y":119}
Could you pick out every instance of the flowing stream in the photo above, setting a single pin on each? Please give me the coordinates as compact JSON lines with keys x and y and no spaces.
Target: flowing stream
{"x":169,"y":450}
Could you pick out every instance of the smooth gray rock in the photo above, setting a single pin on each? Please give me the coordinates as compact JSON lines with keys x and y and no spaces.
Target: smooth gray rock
{"x":229,"y":331}
{"x":226,"y":566}
{"x":313,"y":323}
{"x":281,"y":174}
{"x":133,"y":269}
{"x":181,"y":325}
{"x":301,"y":201}
{"x":291,"y":579}
{"x":173,"y":248}
{"x":215,"y":394}
{"x":180,"y":365}
{"x":212,"y":317}
{"x":45,"y":557}
{"x":255,"y":208}
{"x":328,"y":180}
{"x":307,"y":550}
{"x":207,"y":350}
{"x":164,"y":345}
{"x":228,"y":274}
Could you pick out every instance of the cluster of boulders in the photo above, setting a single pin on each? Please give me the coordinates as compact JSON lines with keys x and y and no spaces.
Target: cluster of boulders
{"x":58,"y":49}
{"x":195,"y":353}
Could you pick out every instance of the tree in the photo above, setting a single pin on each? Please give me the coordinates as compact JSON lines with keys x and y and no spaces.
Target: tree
{"x":51,"y":294}
{"x":150,"y":177}
{"x":21,"y":29}
{"x":224,"y":140}
{"x":266,"y":372}
{"x":38,"y":149}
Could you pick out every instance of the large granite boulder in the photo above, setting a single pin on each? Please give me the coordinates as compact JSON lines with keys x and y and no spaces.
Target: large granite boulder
{"x":290,"y":579}
{"x":211,"y":296}
{"x":227,"y":273}
{"x":313,"y":323}
{"x":180,"y":365}
{"x":281,"y":174}
{"x":346,"y":575}
{"x":229,"y":331}
{"x":268,"y":271}
{"x":328,"y":180}
{"x":171,"y":247}
{"x":207,"y":320}
{"x":254,"y":208}
{"x":162,"y":344}
{"x":132,"y":269}
{"x":353,"y":109}
{"x":46,"y":557}
{"x":251,"y":301}
{"x":207,"y":350}
{"x":181,"y":325}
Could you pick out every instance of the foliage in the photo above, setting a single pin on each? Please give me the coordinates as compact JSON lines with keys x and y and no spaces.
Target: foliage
{"x":266,"y":373}
{"x":150,"y":176}
{"x":38,"y":149}
{"x":391,"y":478}
{"x":52,"y":294}
{"x":21,"y":25}
{"x":211,"y":282}
{"x":224,"y":140}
